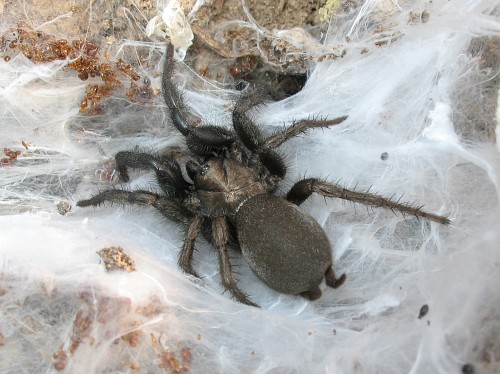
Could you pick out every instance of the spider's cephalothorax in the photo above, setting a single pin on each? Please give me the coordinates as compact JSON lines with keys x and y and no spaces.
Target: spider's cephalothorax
{"x":231,"y":197}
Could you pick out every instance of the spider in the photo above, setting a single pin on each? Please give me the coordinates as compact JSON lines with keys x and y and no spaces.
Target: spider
{"x":231,"y":197}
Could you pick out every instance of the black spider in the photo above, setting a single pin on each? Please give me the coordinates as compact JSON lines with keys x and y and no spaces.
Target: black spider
{"x":231,"y":197}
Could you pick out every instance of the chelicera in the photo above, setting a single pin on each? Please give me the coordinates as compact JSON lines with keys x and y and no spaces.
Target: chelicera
{"x":229,"y":196}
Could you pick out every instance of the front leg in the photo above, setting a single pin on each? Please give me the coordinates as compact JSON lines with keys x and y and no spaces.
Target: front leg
{"x":168,"y":171}
{"x":220,"y":236}
{"x":304,"y":188}
{"x":253,"y":138}
{"x":201,"y":140}
{"x":251,"y":135}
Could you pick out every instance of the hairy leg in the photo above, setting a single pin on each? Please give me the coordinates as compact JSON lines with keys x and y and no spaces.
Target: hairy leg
{"x":304,"y":188}
{"x":131,"y":159}
{"x":298,"y":128}
{"x":220,"y":236}
{"x":168,"y":171}
{"x":202,"y":140}
{"x":168,"y":207}
{"x":166,"y":167}
{"x":186,"y":254}
{"x":140,"y":197}
{"x":251,"y":135}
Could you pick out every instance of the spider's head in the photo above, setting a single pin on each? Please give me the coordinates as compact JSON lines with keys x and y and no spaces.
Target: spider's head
{"x":224,"y":175}
{"x":223,"y":185}
{"x":208,"y":176}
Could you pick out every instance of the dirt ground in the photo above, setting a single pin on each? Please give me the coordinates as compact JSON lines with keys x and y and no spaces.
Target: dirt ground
{"x":218,"y":25}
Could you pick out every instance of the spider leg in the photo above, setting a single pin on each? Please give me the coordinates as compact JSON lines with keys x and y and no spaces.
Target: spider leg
{"x":168,"y":171}
{"x":202,"y":140}
{"x":251,"y":135}
{"x":297,"y":128}
{"x":186,"y":254}
{"x":140,"y":197}
{"x":220,"y":236}
{"x":168,"y":207}
{"x":301,"y":190}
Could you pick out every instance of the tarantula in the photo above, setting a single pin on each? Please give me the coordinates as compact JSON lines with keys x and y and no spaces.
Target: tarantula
{"x":231,"y":197}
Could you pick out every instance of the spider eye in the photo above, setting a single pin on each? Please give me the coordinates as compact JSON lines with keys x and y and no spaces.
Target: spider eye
{"x":194,"y":170}
{"x":204,"y":169}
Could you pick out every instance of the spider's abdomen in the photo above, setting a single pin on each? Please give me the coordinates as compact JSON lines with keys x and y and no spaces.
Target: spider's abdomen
{"x":286,"y":248}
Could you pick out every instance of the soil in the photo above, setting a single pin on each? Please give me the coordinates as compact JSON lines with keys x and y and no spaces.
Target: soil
{"x":219,"y":25}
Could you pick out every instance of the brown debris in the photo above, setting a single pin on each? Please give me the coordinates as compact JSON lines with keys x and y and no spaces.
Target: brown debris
{"x":84,"y":57}
{"x":115,"y":258}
